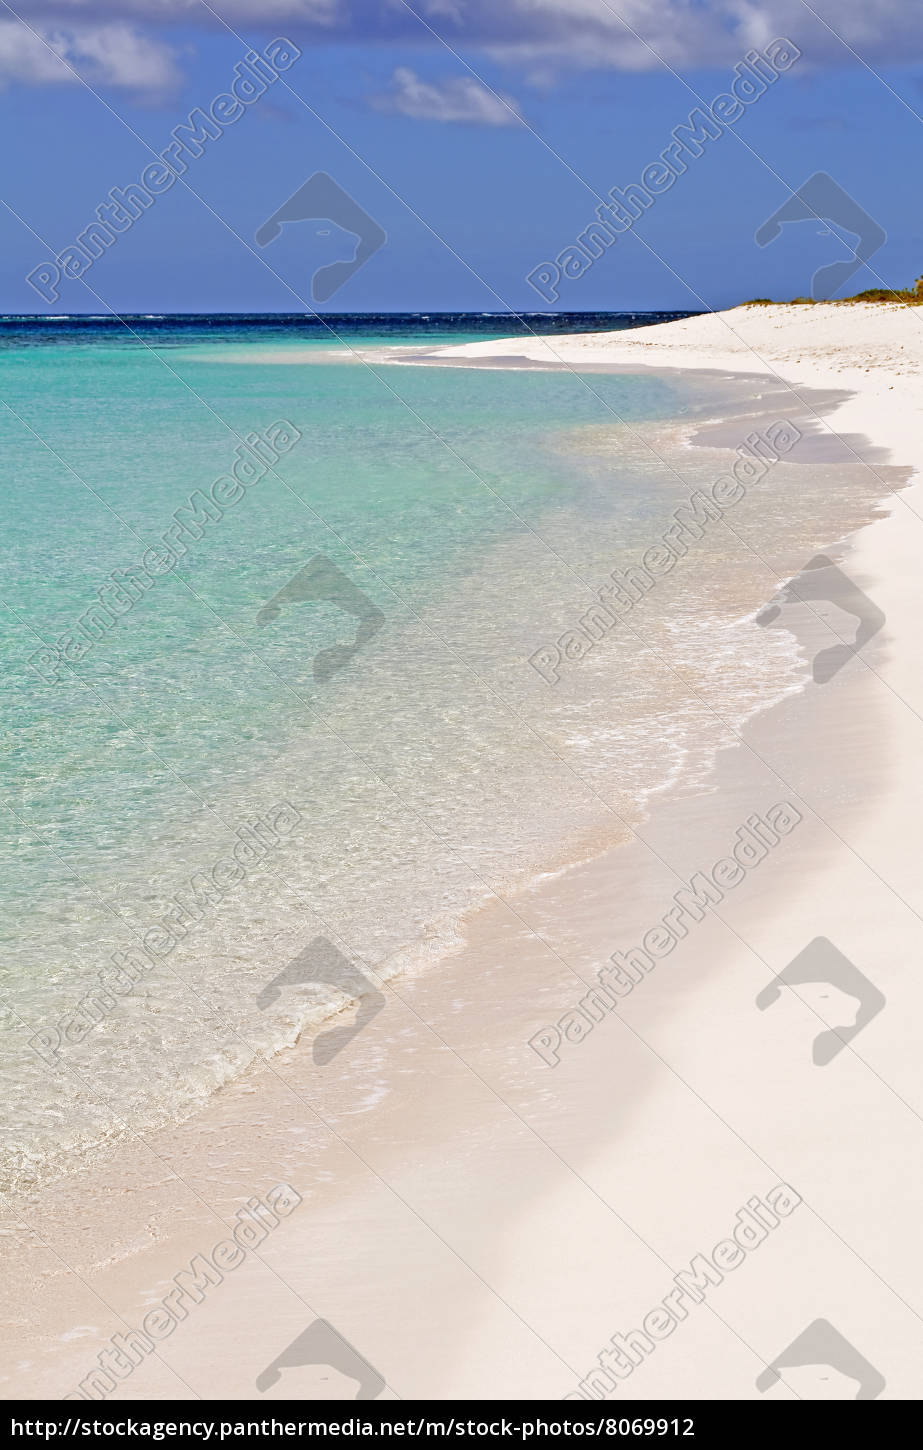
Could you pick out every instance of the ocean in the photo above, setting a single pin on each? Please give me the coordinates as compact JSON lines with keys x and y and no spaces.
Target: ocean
{"x":332,"y":724}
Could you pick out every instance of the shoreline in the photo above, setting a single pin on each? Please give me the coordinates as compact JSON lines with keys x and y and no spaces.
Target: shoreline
{"x":517,"y":1169}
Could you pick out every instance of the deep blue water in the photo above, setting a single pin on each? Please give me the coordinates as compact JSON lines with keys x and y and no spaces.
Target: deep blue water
{"x":178,"y":328}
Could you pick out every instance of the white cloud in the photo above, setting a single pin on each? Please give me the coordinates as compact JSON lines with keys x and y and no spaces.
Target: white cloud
{"x":122,"y":56}
{"x":23,"y":57}
{"x":461,"y":98}
{"x":104,"y":55}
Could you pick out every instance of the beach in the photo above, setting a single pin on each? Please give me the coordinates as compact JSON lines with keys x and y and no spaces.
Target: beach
{"x":499,"y":1177}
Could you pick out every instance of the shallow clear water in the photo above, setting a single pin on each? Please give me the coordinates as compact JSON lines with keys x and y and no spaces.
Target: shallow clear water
{"x":462,"y":519}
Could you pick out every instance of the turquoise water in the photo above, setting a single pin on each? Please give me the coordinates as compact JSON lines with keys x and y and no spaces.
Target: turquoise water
{"x":399,"y":482}
{"x":468,"y":511}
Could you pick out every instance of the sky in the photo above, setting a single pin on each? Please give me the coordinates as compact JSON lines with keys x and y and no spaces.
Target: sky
{"x":474,"y":140}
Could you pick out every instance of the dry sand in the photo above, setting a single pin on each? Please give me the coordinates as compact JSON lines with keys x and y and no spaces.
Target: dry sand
{"x":480,"y":1224}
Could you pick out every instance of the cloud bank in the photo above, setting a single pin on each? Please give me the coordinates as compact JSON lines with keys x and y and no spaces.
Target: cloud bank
{"x":119,"y":39}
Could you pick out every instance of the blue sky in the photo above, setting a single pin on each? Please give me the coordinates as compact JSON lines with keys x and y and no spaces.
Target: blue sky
{"x":478,"y":136}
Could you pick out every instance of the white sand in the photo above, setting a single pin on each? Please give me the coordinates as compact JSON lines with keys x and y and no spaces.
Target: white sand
{"x":478,"y":1224}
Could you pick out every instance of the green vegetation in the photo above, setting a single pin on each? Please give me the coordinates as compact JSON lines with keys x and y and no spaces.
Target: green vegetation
{"x":910,"y":296}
